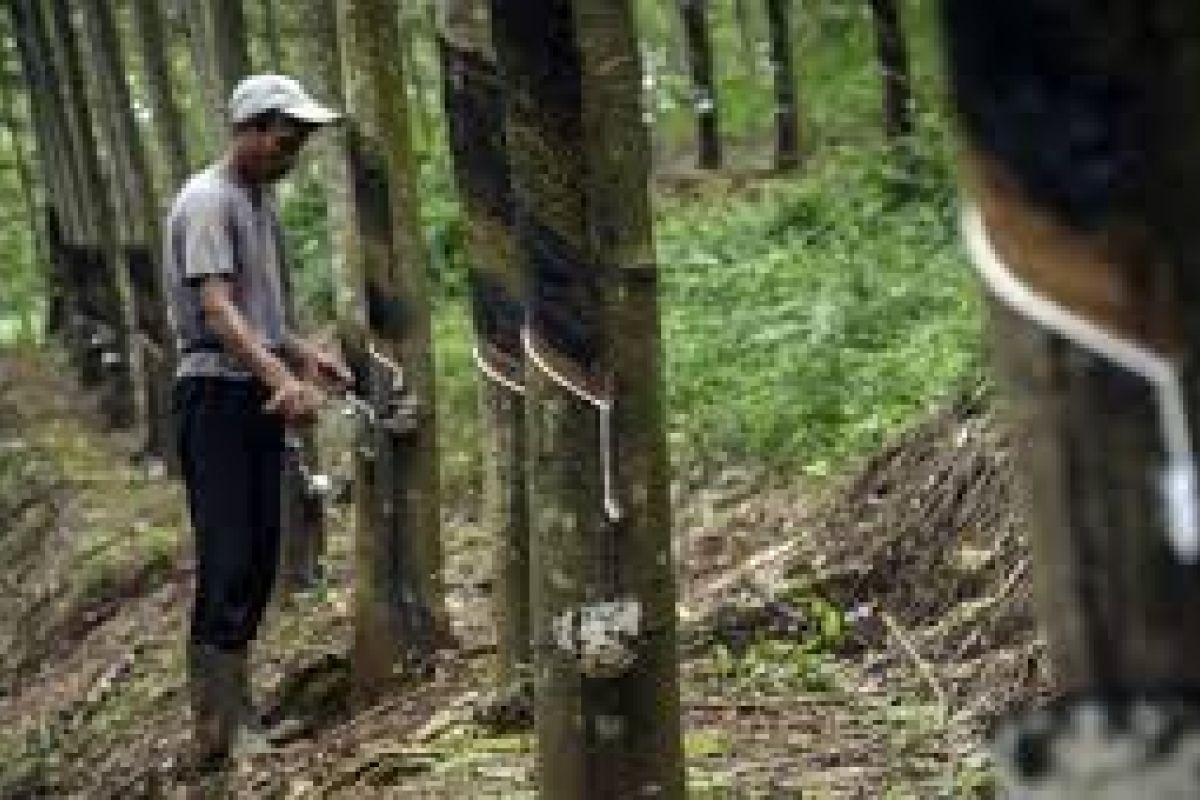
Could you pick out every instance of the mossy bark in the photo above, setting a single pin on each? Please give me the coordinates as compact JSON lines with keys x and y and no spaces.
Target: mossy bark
{"x":400,"y":609}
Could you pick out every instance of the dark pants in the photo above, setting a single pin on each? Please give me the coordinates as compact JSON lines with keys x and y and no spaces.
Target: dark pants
{"x":232,"y":456}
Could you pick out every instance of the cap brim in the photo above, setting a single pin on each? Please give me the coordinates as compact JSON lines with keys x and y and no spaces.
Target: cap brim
{"x":312,"y":113}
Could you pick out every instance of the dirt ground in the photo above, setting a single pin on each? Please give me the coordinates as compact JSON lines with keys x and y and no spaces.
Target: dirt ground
{"x":852,"y":645}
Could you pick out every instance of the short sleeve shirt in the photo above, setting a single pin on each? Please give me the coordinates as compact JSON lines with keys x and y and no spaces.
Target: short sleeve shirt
{"x":220,"y":227}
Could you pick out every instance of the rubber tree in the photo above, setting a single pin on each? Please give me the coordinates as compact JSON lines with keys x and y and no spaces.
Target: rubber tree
{"x":150,"y":24}
{"x":269,"y":12}
{"x":892,"y":54}
{"x":602,"y":590}
{"x":67,"y":223}
{"x":1081,"y":167}
{"x":694,"y":14}
{"x":475,"y":110}
{"x":220,"y":47}
{"x":99,"y":261}
{"x":783,"y":68}
{"x":36,"y":151}
{"x":142,"y":209}
{"x":399,"y":603}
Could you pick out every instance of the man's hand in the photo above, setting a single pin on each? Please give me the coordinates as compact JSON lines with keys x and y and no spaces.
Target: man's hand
{"x":296,"y":400}
{"x":322,"y":367}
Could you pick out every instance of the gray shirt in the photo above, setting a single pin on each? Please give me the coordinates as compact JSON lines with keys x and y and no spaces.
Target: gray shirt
{"x":218,"y":226}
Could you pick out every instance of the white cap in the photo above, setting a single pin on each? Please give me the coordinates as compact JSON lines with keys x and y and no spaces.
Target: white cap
{"x":259,"y":94}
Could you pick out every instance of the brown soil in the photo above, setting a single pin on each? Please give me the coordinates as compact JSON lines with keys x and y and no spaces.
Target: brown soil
{"x":863,"y":653}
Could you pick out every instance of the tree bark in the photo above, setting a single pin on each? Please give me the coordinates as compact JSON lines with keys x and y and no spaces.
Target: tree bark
{"x":400,"y":612}
{"x":23,"y":163}
{"x":274,"y":38}
{"x":62,"y":223}
{"x":893,"y":65}
{"x":607,"y":696}
{"x":783,"y":68}
{"x":700,"y":61}
{"x":1089,"y":247}
{"x":143,"y":230}
{"x":101,"y":259}
{"x":168,"y":121}
{"x":474,"y":104}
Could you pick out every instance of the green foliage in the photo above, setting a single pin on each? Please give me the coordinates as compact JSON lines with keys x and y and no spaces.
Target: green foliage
{"x":808,"y":319}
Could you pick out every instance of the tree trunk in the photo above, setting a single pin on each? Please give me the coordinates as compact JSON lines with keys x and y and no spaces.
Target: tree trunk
{"x":101,"y":260}
{"x":783,"y":67}
{"x":221,"y":57}
{"x":17,"y":135}
{"x":276,"y":61}
{"x":1092,"y":255}
{"x":607,"y":695}
{"x":143,"y":207}
{"x":230,"y":47}
{"x":700,"y":61}
{"x":62,"y":223}
{"x":400,"y":610}
{"x":893,"y":64}
{"x":168,"y":121}
{"x":475,"y":115}
{"x":323,"y":70}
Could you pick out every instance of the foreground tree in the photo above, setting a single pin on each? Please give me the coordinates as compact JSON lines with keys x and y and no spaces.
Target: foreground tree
{"x":1082,"y":170}
{"x":399,"y":614}
{"x":607,"y":695}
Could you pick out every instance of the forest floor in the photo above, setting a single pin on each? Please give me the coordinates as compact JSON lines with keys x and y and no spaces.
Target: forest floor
{"x":854,"y":644}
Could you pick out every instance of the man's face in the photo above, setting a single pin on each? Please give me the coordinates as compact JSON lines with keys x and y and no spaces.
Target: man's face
{"x":271,"y":151}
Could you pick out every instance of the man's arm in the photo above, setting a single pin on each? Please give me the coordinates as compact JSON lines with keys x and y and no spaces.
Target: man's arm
{"x":289,"y":395}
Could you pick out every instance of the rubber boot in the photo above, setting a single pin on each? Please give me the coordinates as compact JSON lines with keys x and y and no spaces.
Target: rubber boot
{"x":212,"y":723}
{"x":254,"y":735}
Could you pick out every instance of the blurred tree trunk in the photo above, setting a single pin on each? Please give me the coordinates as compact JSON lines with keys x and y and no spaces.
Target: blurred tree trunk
{"x":168,"y":121}
{"x":783,"y":67}
{"x":1092,"y":256}
{"x":19,"y":136}
{"x":275,"y":57}
{"x":704,"y":80}
{"x":220,"y":48}
{"x":474,"y":104}
{"x":400,"y":612}
{"x":142,"y":207}
{"x":606,"y":682}
{"x":62,"y":223}
{"x":894,"y":66}
{"x":322,"y":69}
{"x":101,"y":259}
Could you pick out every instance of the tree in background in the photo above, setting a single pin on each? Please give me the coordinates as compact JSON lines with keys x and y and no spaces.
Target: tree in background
{"x":400,"y":613}
{"x":700,"y":61}
{"x":474,"y":103}
{"x":783,"y":69}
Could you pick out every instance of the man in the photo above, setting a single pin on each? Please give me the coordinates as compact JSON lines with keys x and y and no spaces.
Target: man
{"x":243,"y":376}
